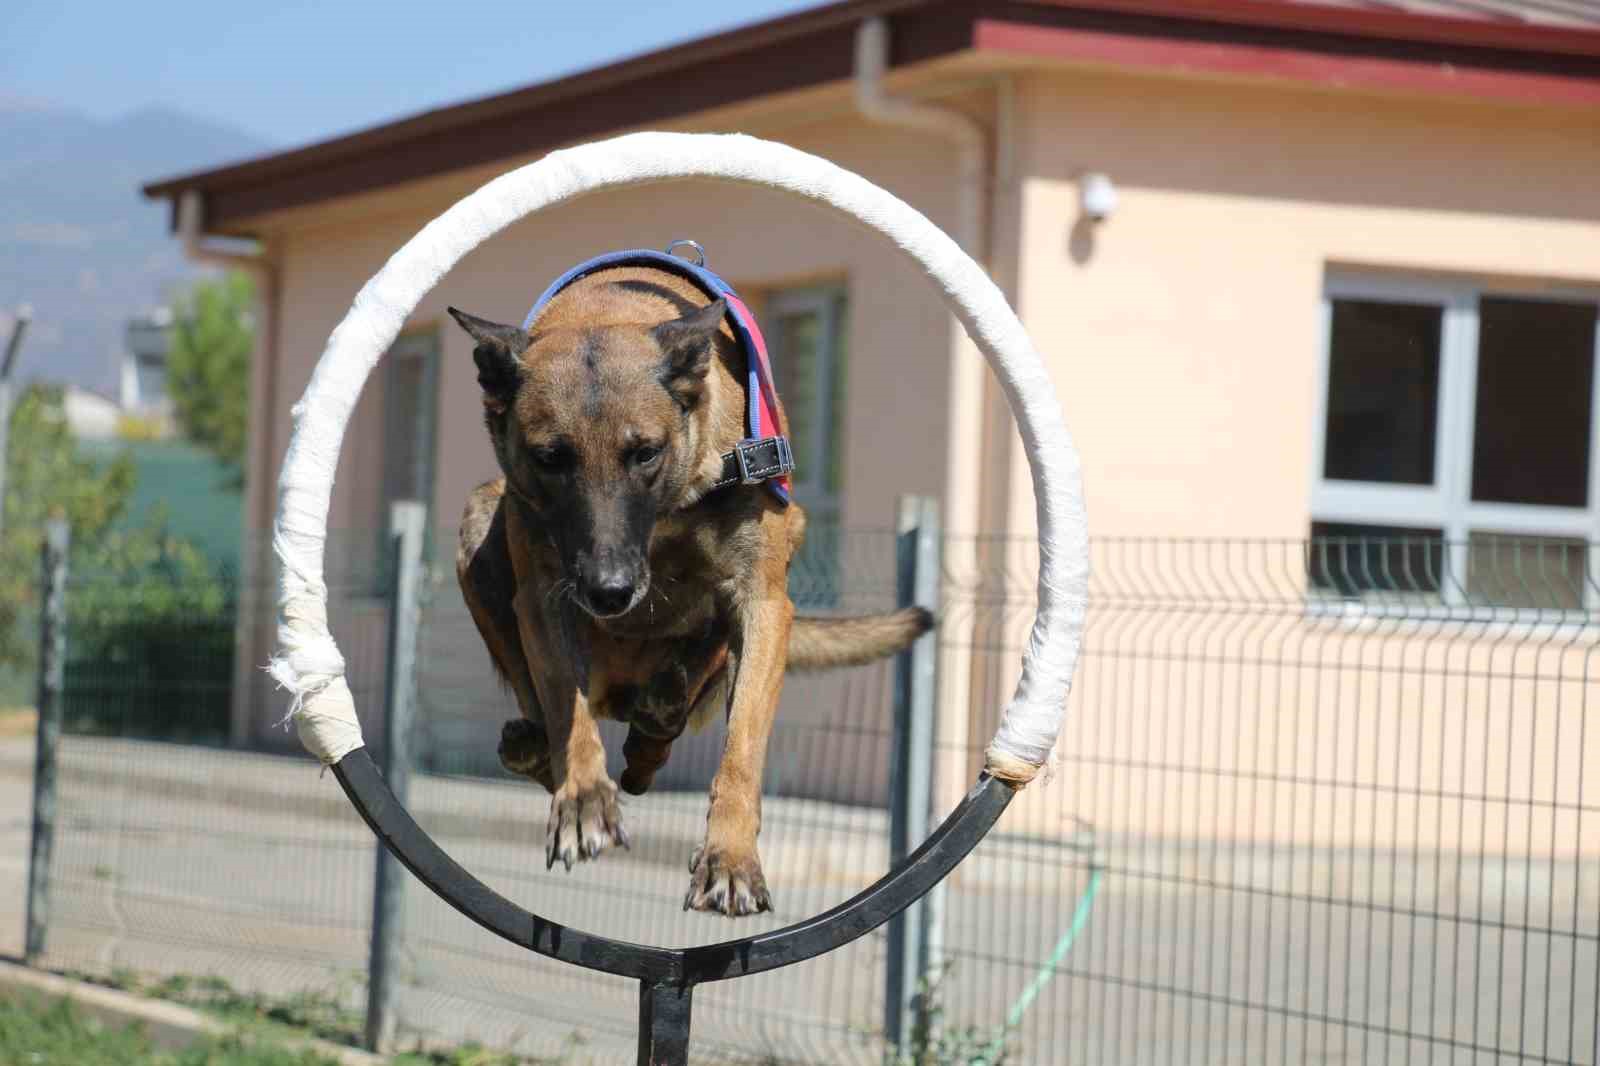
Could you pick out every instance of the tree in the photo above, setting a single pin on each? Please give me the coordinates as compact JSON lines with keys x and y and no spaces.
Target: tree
{"x":150,"y":623}
{"x":48,"y":479}
{"x":208,"y":365}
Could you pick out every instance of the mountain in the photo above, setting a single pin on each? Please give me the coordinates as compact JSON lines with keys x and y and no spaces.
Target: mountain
{"x":78,"y":241}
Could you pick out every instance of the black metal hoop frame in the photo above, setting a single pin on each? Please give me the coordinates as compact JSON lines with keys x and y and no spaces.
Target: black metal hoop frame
{"x":667,"y":976}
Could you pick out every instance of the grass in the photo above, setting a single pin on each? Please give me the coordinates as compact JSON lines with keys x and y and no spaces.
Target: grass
{"x":43,"y":1032}
{"x":313,"y":1012}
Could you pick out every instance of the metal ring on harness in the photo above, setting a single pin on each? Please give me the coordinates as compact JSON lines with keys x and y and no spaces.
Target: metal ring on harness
{"x":700,"y":252}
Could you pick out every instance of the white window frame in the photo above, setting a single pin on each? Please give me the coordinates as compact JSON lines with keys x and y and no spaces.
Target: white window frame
{"x":1447,"y":504}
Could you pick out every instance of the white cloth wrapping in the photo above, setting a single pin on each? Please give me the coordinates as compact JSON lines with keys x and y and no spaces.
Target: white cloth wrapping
{"x":308,"y":662}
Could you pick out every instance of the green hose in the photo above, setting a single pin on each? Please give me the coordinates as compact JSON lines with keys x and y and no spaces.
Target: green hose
{"x":1080,"y":918}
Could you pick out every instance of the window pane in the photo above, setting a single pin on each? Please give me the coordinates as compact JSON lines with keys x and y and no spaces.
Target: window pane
{"x":1383,"y":392}
{"x":1350,"y":559}
{"x":152,"y":374}
{"x":1531,"y":431}
{"x":806,"y":329}
{"x":798,"y":336}
{"x":833,"y":471}
{"x":409,"y":421}
{"x":1545,"y":572}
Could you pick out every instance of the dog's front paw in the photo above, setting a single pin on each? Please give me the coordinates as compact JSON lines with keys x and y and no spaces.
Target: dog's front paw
{"x":724,"y":882}
{"x":584,"y":821}
{"x":525,"y":750}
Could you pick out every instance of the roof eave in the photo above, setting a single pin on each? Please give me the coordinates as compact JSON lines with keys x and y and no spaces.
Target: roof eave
{"x":1341,"y":46}
{"x":1363,"y":22}
{"x":571,"y":86}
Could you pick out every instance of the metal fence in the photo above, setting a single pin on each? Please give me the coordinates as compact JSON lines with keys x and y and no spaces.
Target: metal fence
{"x":1316,"y":800}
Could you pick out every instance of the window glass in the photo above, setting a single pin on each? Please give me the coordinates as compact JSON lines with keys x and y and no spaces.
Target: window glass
{"x":798,"y":339}
{"x":411,"y":408}
{"x":833,"y":467}
{"x":1487,"y":400}
{"x":1543,"y":572}
{"x":1349,"y":559}
{"x":1530,"y":439}
{"x":152,"y":374}
{"x":806,"y":330}
{"x":1383,"y":392}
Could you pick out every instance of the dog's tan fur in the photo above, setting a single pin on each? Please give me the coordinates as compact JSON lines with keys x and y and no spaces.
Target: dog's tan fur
{"x":621,"y":364}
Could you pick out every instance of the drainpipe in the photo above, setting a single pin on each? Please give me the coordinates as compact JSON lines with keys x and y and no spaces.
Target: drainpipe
{"x":969,"y":136}
{"x":259,"y":451}
{"x":967,"y":388}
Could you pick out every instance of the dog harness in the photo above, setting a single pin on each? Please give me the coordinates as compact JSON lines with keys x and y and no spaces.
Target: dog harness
{"x":764,"y":455}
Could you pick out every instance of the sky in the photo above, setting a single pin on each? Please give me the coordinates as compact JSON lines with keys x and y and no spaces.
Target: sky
{"x":295,"y":71}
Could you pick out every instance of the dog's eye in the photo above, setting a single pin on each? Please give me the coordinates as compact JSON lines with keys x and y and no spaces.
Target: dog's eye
{"x":552,"y":460}
{"x":646,"y":454}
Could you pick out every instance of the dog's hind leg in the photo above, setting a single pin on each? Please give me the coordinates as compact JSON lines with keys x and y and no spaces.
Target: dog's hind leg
{"x":488,"y":584}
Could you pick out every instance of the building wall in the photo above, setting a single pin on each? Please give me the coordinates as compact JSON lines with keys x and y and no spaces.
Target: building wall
{"x":1183,"y":332}
{"x":1184,"y":335}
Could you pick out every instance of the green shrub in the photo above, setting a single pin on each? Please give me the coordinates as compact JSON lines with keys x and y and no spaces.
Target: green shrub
{"x":149,"y":641}
{"x":150,"y":622}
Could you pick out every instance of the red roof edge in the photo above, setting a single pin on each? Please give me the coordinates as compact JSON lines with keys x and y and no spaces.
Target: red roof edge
{"x":1383,"y":73}
{"x":1486,"y":32}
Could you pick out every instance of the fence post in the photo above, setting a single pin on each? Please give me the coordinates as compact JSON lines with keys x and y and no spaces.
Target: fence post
{"x":911,"y":765}
{"x":52,"y":660}
{"x":407,"y":525}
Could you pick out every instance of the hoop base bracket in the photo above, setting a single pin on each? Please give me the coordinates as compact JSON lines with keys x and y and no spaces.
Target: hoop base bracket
{"x":664,"y":1024}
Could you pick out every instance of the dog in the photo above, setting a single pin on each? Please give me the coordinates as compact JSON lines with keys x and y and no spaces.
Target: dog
{"x":612,"y":576}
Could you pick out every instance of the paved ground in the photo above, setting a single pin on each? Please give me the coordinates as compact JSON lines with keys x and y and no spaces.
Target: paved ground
{"x":176,"y":860}
{"x":14,"y":821}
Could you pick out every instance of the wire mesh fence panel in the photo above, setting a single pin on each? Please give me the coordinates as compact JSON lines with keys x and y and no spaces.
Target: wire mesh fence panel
{"x":823,"y":837}
{"x":1315,"y":800}
{"x":175,"y":856}
{"x":1334,"y":795}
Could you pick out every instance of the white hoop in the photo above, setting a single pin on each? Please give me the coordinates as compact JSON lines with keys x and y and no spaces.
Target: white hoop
{"x":308,"y":662}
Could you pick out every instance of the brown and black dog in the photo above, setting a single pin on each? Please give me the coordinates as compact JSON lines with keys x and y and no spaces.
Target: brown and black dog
{"x":609,"y":582}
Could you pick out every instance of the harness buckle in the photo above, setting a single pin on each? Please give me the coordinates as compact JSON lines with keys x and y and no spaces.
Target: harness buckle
{"x":743,"y":451}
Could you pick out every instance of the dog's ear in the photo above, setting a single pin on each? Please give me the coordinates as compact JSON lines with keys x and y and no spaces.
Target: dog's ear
{"x":497,"y":355}
{"x":686,"y":349}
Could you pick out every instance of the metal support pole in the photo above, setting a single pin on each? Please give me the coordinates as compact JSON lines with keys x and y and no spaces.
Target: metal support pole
{"x":407,"y":525}
{"x":52,"y":660}
{"x":664,"y":1024}
{"x":8,"y":362}
{"x":911,"y":768}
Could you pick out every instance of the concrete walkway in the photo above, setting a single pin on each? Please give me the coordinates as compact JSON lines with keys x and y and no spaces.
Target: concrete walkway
{"x":173,"y":859}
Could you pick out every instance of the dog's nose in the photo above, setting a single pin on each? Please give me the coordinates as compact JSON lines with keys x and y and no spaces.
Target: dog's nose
{"x":610,"y":595}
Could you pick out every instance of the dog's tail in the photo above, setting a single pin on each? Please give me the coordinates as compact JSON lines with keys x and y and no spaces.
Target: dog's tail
{"x":823,"y":643}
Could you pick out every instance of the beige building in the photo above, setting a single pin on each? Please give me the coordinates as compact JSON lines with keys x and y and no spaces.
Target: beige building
{"x":1334,"y":226}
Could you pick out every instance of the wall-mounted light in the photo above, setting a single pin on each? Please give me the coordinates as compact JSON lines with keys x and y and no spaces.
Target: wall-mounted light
{"x":1097,"y":195}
